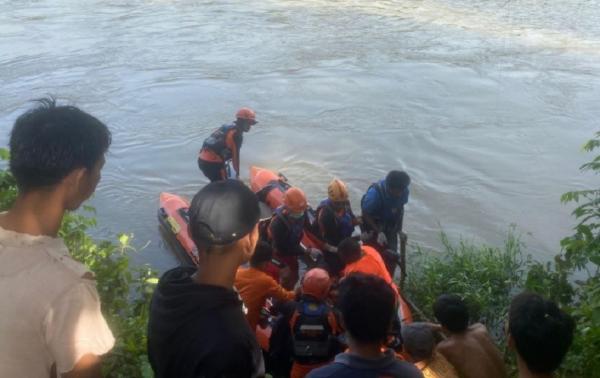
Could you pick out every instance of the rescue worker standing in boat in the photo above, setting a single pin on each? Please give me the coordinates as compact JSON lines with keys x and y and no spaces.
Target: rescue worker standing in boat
{"x":286,"y":231}
{"x":383,"y":212}
{"x":223,"y":145}
{"x":336,"y":222}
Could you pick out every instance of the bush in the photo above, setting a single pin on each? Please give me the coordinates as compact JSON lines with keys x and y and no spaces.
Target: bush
{"x":485,"y":277}
{"x":125,"y":292}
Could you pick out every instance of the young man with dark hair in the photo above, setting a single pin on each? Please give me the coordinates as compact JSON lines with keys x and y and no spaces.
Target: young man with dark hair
{"x":420,"y":346}
{"x":540,"y":333}
{"x":470,"y":349}
{"x":224,"y":145}
{"x":197,"y":326}
{"x":367,"y":305}
{"x":383,"y":212}
{"x":255,"y":285}
{"x":50,"y":318}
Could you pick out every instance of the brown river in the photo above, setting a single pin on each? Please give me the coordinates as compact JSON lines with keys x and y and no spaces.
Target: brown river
{"x":484,"y":103}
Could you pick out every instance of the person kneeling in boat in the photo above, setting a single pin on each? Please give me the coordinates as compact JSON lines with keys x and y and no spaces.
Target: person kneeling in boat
{"x":286,"y":231}
{"x":255,"y":285}
{"x":223,"y":145}
{"x":336,"y":222}
{"x":307,"y":333}
{"x":383,"y":211}
{"x":367,"y":304}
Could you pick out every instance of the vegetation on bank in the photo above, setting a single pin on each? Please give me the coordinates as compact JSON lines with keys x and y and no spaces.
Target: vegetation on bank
{"x":487,"y":277}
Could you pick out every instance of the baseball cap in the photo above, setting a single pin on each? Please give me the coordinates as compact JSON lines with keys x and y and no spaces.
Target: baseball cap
{"x":223,"y":212}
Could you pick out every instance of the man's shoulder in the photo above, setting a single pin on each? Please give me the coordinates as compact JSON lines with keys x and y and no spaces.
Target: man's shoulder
{"x":334,"y":369}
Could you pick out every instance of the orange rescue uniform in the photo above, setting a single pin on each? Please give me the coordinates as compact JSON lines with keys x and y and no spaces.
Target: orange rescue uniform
{"x":371,"y":263}
{"x":255,"y":286}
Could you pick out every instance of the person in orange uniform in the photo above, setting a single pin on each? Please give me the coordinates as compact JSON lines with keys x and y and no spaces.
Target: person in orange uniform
{"x":286,"y":231}
{"x":311,"y":329}
{"x":363,"y":259}
{"x":223,"y":145}
{"x":255,"y":285}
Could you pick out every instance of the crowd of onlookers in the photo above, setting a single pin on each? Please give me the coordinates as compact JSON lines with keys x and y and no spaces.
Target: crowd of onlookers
{"x":235,"y":315}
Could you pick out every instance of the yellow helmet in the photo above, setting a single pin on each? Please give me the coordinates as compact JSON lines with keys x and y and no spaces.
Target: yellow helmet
{"x":336,"y":191}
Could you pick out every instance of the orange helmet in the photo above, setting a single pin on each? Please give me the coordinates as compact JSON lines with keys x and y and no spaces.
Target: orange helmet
{"x":247,"y":114}
{"x":316,"y":282}
{"x":336,"y":191}
{"x":295,"y":200}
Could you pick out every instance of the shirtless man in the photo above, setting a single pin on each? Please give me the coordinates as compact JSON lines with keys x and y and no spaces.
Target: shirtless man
{"x":469,"y":348}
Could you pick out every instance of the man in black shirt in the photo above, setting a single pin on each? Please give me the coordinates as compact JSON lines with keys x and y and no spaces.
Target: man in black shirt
{"x":197,"y":326}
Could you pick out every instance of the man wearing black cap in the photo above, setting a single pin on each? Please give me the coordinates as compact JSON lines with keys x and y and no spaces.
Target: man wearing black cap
{"x":197,"y":326}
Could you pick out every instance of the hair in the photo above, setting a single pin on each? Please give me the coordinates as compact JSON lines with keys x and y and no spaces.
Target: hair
{"x":397,"y":180}
{"x":262,"y":253}
{"x":349,"y":250}
{"x":419,"y":340}
{"x":542,"y":333}
{"x":49,"y":142}
{"x":452,"y":312}
{"x":368,"y":323}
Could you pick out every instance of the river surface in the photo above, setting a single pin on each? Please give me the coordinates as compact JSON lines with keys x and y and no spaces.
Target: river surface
{"x":485,"y":103}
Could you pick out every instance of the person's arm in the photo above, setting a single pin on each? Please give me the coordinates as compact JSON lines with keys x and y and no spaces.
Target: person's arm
{"x":235,"y":151}
{"x":327,"y":226}
{"x":370,"y":207}
{"x":88,"y":366}
{"x":277,"y":291}
{"x":76,"y":333}
{"x":279,"y":234}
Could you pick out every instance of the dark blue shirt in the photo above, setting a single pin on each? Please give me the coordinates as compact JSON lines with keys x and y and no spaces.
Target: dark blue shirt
{"x":348,"y":365}
{"x":381,"y":206}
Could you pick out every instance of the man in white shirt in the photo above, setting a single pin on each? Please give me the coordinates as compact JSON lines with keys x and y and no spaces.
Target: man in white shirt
{"x":50,"y":318}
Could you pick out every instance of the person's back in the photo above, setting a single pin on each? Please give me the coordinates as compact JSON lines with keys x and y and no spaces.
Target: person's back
{"x":197,"y":327}
{"x":363,"y":259}
{"x":254,"y":285}
{"x":198,"y":330}
{"x":366,"y":303}
{"x":50,"y":318}
{"x":470,"y":349}
{"x":473,"y":353}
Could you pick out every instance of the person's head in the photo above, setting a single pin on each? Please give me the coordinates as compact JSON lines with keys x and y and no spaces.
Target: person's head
{"x":349,"y":250}
{"x":263,"y":253}
{"x":396,"y":182}
{"x":337,"y":194}
{"x":245,"y":118}
{"x":367,"y":304}
{"x":452,"y":313}
{"x":224,"y":219}
{"x":539,"y":331}
{"x":295,"y":202}
{"x":58,"y":147}
{"x":316,"y":283}
{"x":419,"y":341}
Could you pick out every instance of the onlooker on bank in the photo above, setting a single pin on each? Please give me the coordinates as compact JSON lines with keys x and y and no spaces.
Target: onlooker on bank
{"x":470,"y":349}
{"x":50,"y":318}
{"x":367,"y":304}
{"x":420,"y":346}
{"x":197,"y":326}
{"x":540,"y":333}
